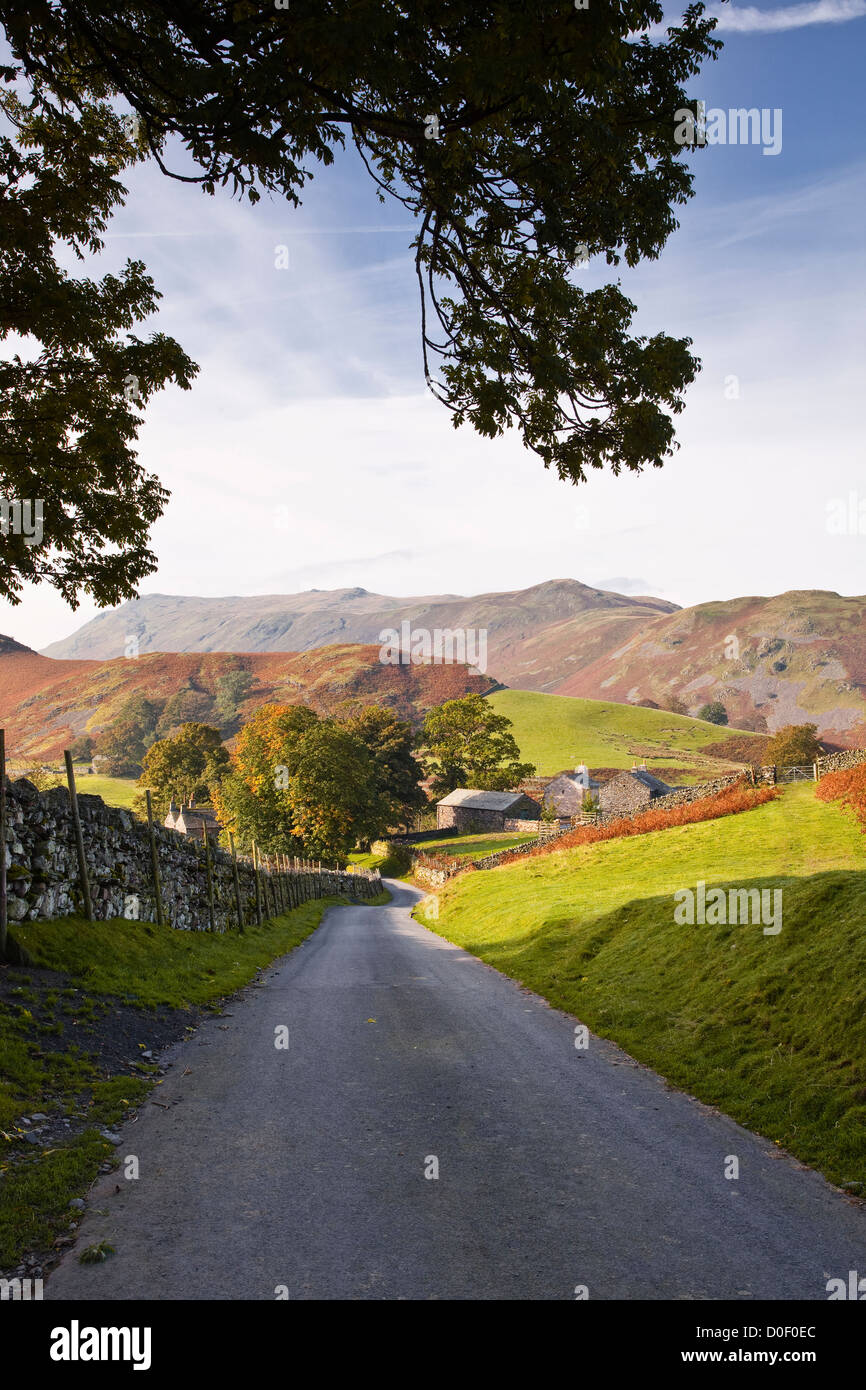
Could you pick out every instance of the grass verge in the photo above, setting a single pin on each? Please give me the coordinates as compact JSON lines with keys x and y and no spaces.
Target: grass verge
{"x":771,"y":1029}
{"x":73,"y":1027}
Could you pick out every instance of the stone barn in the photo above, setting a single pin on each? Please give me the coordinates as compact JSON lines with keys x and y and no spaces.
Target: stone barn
{"x":630,"y":792}
{"x":195,"y":821}
{"x":469,"y":810}
{"x":565,"y":792}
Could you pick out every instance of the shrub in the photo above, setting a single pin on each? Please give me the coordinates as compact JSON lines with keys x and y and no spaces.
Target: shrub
{"x":397,"y":861}
{"x":674,"y":705}
{"x":437,"y":861}
{"x":848,"y":786}
{"x":796,"y":744}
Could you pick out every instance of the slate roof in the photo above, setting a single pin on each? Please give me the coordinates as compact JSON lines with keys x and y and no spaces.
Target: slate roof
{"x":481,"y":801}
{"x":654,"y":784}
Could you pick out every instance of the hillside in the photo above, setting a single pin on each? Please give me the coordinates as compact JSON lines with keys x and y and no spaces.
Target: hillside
{"x":556,"y":732}
{"x":771,"y":1029}
{"x":532,"y":634}
{"x":45,"y":703}
{"x":801,"y":657}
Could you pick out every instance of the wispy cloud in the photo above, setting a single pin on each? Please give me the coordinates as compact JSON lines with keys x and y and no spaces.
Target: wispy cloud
{"x":750,"y":20}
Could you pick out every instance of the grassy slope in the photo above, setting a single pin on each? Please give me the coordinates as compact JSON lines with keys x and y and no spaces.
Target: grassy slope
{"x":473,"y":846}
{"x":132,"y":960}
{"x":158,"y":965}
{"x":115,"y":791}
{"x":772,"y":1029}
{"x":557,"y":731}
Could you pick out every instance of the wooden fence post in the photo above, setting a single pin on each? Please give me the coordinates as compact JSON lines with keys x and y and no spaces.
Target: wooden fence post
{"x":209,"y":872}
{"x":154,"y":860}
{"x":4,"y":912}
{"x":79,"y":838}
{"x":258,"y":884}
{"x":238,"y":903}
{"x":268,"y":885}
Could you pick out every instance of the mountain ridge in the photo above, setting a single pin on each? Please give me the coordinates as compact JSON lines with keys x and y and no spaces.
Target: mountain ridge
{"x":791,"y":658}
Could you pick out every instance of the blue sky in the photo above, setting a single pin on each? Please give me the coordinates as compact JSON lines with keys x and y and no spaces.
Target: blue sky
{"x":309,"y":455}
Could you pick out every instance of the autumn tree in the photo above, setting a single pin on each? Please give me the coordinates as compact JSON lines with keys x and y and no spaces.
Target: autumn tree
{"x":301,"y":785}
{"x":522,"y":140}
{"x":465,"y":743}
{"x":795,"y":745}
{"x":334,"y":792}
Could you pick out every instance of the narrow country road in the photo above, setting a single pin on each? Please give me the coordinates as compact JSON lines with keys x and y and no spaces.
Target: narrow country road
{"x":557,"y":1168}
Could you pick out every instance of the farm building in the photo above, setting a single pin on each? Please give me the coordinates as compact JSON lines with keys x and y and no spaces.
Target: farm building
{"x":192,"y":820}
{"x":469,"y":809}
{"x":565,"y":792}
{"x":630,"y":792}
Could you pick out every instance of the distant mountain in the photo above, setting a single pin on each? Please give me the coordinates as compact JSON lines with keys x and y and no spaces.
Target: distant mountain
{"x":796,"y":658}
{"x":45,"y":703}
{"x":534,"y":636}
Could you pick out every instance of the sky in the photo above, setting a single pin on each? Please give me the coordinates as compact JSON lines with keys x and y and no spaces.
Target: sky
{"x":309,"y":453}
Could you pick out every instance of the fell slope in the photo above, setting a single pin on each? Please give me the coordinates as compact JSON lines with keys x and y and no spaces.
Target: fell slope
{"x":555,"y":732}
{"x":796,"y":658}
{"x":534,"y":635}
{"x":45,"y":703}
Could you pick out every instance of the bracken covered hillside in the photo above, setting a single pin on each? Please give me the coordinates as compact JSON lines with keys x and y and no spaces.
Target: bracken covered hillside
{"x":45,"y":703}
{"x":796,"y":658}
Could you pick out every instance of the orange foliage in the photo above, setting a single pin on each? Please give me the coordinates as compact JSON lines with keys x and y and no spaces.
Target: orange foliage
{"x":729,"y":801}
{"x":847,"y":786}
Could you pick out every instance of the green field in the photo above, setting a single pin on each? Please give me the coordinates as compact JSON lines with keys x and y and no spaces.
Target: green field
{"x":473,"y":846}
{"x":115,"y":791}
{"x":557,"y":731}
{"x":770,"y":1028}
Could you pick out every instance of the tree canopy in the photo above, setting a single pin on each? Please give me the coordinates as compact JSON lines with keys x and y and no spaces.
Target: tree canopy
{"x":72,"y":389}
{"x":465,"y":743}
{"x":304,"y":785}
{"x":795,"y":745}
{"x":188,"y":766}
{"x":523,"y":138}
{"x":396,"y":772}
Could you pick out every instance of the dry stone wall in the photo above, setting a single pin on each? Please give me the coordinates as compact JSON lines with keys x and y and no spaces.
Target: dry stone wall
{"x":837,"y":762}
{"x":682,"y":796}
{"x":43,"y":879}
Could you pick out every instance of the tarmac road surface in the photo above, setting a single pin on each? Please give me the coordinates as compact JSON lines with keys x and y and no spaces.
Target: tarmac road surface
{"x":303,"y":1171}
